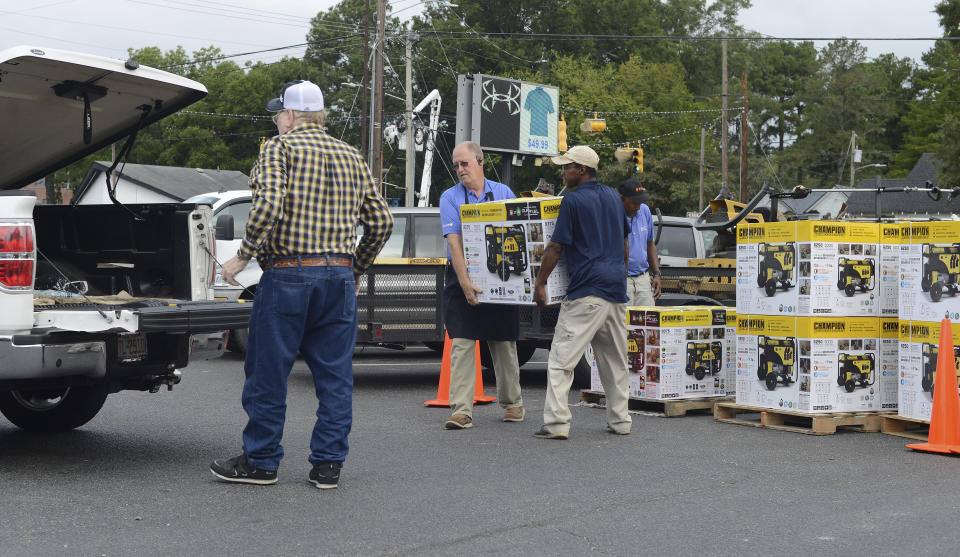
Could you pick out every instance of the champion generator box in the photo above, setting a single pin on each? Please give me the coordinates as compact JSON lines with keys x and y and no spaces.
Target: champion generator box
{"x":918,"y":368}
{"x":889,"y":363}
{"x":838,"y":264}
{"x":838,"y":361}
{"x":767,"y":367}
{"x":730,"y":354}
{"x":636,"y":349}
{"x":767,"y":269}
{"x":888,"y":273}
{"x":664,"y":356}
{"x":703,"y":350}
{"x":503,"y":245}
{"x":930,"y":272}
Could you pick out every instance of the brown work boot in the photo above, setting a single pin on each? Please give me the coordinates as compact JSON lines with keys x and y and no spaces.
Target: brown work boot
{"x":458,"y":421}
{"x":514,"y":414}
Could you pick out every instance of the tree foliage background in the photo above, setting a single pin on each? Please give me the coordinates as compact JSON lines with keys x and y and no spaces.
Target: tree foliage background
{"x":804,"y":103}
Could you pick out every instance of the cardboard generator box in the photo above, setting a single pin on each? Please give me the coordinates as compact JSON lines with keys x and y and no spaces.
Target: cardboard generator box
{"x":808,"y":268}
{"x":919,"y":350}
{"x":888,"y":274}
{"x":839,"y":364}
{"x":503,"y":245}
{"x":767,"y":366}
{"x":729,"y":373}
{"x":677,"y":352}
{"x":930,"y":271}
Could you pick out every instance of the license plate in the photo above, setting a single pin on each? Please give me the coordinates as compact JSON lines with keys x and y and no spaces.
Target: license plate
{"x":131,"y":347}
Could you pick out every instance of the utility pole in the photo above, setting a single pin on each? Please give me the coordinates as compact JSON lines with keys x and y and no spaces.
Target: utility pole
{"x":724,"y":192}
{"x":744,"y":133}
{"x":376,"y":127}
{"x":703,"y":137}
{"x":363,"y":82}
{"x":411,"y":154}
{"x":853,"y":153}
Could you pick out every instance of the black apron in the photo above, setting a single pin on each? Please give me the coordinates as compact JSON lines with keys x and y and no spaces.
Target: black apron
{"x":482,"y":322}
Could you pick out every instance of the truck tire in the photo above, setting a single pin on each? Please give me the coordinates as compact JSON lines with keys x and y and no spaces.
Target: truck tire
{"x":581,"y":374}
{"x":238,"y":341}
{"x":52,"y":410}
{"x":525,"y":351}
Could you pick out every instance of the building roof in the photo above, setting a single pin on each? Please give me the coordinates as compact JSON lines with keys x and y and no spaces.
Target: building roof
{"x":177,"y":182}
{"x":903,"y":203}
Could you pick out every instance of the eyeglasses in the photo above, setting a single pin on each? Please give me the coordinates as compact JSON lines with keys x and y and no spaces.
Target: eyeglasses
{"x":276,"y":117}
{"x":569,"y":166}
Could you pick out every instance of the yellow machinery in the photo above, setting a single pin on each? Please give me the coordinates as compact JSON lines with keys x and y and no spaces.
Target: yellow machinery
{"x":854,"y":274}
{"x":703,"y":358}
{"x":776,"y":266}
{"x":506,"y":250}
{"x":930,"y":353}
{"x":777,"y":361}
{"x":855,"y":370}
{"x":941,"y":270}
{"x":635,"y":350}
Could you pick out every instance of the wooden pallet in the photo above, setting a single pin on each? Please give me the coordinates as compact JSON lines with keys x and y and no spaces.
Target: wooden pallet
{"x":669,"y":408}
{"x":910,"y":428}
{"x":797,"y":422}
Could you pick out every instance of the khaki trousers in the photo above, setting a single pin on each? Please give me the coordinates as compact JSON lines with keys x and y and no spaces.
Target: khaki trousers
{"x":463,"y":374}
{"x":601,"y":323}
{"x":640,"y":291}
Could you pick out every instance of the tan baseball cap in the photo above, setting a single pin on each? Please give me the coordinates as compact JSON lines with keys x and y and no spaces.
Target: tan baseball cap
{"x":581,"y":154}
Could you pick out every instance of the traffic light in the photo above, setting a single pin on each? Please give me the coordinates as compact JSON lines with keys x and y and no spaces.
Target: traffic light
{"x":628,"y":153}
{"x":638,"y":155}
{"x":561,"y":135}
{"x":593,"y":125}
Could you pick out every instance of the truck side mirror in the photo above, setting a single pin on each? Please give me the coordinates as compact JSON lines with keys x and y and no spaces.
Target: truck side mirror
{"x":224,"y":228}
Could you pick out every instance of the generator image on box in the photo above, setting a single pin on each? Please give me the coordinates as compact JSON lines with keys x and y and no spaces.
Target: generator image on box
{"x":635,"y":349}
{"x":855,"y":274}
{"x":855,"y":370}
{"x":506,"y":249}
{"x":703,"y":358}
{"x":777,"y":363}
{"x":941,"y":268}
{"x":776,"y":266}
{"x":930,"y":353}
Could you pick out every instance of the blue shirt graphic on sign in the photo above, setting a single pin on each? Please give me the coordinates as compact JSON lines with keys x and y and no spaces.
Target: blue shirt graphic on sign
{"x":540,"y":105}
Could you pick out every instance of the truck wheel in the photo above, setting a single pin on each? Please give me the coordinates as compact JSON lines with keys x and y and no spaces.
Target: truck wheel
{"x":52,"y":409}
{"x":936,"y":291}
{"x":238,"y":341}
{"x":771,"y":381}
{"x":525,"y":351}
{"x":581,"y":374}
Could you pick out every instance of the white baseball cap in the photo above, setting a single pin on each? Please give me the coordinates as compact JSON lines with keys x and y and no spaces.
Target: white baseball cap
{"x":580,"y":154}
{"x":300,"y":95}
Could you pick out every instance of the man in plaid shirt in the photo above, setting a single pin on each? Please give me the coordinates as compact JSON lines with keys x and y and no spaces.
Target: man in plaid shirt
{"x":310,"y":191}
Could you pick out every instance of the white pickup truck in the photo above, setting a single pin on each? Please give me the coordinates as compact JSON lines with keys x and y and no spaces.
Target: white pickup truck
{"x":94,"y":299}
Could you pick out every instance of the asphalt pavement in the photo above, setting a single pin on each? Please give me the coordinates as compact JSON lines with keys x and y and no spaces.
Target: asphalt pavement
{"x":135,"y":481}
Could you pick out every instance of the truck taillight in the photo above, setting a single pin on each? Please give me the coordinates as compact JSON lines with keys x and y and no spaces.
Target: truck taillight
{"x":17,"y":256}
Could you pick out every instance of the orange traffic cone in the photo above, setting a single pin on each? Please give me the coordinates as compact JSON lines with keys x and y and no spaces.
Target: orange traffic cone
{"x":945,"y":418}
{"x":443,"y":388}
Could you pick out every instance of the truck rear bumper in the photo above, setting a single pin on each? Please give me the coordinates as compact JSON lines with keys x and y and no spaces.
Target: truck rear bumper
{"x":43,"y":361}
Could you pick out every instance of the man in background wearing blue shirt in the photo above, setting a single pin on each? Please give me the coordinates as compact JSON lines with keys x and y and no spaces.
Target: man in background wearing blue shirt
{"x":468,"y":320}
{"x":591,"y":232}
{"x":643,"y":268}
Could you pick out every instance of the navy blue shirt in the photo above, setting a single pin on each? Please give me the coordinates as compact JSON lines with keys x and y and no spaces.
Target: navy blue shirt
{"x":591,"y":226}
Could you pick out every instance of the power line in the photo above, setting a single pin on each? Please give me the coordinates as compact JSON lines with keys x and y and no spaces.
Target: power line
{"x":710,"y":38}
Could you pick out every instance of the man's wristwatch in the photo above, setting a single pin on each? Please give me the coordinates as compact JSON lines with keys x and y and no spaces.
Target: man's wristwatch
{"x":242,"y":257}
{"x":654,"y":273}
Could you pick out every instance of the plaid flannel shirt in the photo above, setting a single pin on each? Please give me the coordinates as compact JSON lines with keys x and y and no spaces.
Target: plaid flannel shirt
{"x":309,"y":193}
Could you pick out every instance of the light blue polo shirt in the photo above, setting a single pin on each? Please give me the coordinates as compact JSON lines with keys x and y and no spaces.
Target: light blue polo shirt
{"x":641,"y":233}
{"x":453,"y":198}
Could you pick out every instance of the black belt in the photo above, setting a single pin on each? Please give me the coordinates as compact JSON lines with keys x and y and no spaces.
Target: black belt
{"x":638,"y":275}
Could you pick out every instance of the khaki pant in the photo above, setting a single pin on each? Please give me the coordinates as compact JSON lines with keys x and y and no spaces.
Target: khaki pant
{"x":463,"y":374}
{"x":640,"y":291}
{"x":601,"y":323}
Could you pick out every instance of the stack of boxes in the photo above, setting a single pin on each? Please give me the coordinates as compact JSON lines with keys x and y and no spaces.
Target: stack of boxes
{"x":808,"y":326}
{"x":928,"y":292}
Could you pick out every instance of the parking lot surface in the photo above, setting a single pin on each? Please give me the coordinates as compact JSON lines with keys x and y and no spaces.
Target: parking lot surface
{"x":134,"y":481}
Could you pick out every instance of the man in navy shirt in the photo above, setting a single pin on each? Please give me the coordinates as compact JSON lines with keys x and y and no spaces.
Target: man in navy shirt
{"x":468,"y":320}
{"x":643,"y":268}
{"x":591,"y":232}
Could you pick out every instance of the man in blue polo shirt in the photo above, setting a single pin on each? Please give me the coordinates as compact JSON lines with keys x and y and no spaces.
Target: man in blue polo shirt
{"x":468,"y":320}
{"x":643,"y":269}
{"x":591,"y":232}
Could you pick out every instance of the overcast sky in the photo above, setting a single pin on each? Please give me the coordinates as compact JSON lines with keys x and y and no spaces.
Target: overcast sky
{"x":109,"y":27}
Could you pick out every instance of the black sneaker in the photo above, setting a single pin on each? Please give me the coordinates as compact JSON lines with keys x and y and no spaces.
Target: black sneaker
{"x":326,"y":475}
{"x":238,"y":470}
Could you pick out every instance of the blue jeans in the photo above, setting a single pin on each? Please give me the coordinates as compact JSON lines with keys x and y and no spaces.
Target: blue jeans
{"x":313,"y":311}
